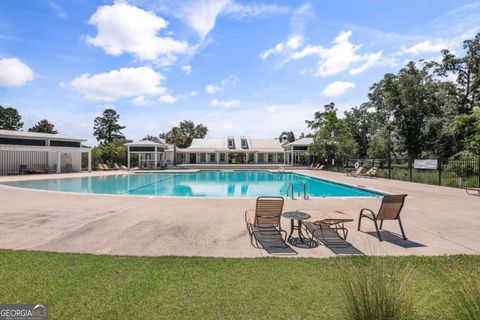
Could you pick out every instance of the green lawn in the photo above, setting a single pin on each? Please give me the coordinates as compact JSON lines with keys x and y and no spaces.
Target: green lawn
{"x":78,"y":286}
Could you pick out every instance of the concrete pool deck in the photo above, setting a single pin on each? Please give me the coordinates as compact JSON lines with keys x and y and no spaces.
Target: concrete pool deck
{"x":437,"y":221}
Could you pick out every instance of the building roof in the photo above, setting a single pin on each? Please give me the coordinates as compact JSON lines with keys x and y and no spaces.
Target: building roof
{"x":222,"y":144}
{"x":301,"y":142}
{"x":37,"y":135}
{"x":147,"y":143}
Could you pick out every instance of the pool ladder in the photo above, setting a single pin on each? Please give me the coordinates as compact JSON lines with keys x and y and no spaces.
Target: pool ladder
{"x":305,"y":194}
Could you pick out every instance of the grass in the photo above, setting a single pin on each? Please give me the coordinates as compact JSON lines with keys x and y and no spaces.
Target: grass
{"x":80,"y":286}
{"x":379,"y":291}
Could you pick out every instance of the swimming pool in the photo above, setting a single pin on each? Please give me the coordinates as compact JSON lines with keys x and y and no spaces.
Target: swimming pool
{"x":203,"y":183}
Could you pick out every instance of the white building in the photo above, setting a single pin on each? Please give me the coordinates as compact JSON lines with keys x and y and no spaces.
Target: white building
{"x":232,"y":150}
{"x":30,"y":152}
{"x":151,"y":154}
{"x":296,"y":151}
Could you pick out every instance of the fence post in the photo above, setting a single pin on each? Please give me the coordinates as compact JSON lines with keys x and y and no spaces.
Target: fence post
{"x":478,"y":170}
{"x":389,"y":167}
{"x":410,"y":169}
{"x":439,"y":168}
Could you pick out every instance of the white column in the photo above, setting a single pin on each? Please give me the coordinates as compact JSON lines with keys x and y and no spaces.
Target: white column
{"x":217,"y":157}
{"x":255,"y":158}
{"x":128,"y":157}
{"x":156,"y":159}
{"x":276,"y":157}
{"x":59,"y":160}
{"x":89,"y":161}
{"x":284,"y":158}
{"x":293,"y":158}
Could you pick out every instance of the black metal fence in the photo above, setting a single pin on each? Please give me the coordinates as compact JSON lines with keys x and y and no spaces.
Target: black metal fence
{"x":457,"y":173}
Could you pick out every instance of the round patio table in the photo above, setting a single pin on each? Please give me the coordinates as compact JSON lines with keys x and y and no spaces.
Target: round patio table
{"x":299,"y":217}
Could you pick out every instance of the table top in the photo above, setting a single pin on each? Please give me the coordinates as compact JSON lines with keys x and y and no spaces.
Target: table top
{"x":333,"y":221}
{"x":296,"y":215}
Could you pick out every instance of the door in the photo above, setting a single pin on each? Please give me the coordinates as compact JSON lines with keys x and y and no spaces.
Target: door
{"x":193,"y":158}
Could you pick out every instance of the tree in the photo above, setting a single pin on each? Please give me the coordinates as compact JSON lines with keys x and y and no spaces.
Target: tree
{"x":106,"y":127}
{"x":404,"y":102}
{"x":331,"y":137}
{"x":43,"y":126}
{"x":290,"y":136}
{"x":467,"y":72}
{"x":151,"y":138}
{"x":175,"y":136}
{"x":112,"y":152}
{"x":10,"y":119}
{"x":359,"y":123}
{"x":468,"y":125}
{"x":188,"y":131}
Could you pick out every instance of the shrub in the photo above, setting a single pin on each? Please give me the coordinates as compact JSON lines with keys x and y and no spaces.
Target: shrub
{"x":464,"y":297}
{"x":377,"y":292}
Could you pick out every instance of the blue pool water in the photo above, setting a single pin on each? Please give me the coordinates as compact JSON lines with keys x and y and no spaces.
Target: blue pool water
{"x":204,"y":183}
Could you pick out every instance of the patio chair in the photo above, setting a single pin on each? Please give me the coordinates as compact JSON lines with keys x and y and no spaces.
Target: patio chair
{"x":313,"y":166}
{"x":23,"y":169}
{"x":473,"y":191}
{"x":389,"y":210}
{"x":265,"y":220}
{"x":355,"y":173}
{"x":320,"y":167}
{"x":372,"y":173}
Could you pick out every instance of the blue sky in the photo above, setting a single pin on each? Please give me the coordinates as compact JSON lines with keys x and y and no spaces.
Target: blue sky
{"x":238,"y":67}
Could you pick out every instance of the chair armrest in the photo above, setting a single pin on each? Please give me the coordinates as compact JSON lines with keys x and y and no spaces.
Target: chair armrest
{"x":366,"y":209}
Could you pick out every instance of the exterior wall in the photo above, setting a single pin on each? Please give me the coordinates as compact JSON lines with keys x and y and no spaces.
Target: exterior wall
{"x":250,"y":157}
{"x":66,"y":158}
{"x":10,"y":160}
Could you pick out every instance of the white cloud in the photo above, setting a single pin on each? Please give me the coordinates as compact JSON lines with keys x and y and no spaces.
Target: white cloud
{"x":339,"y":57}
{"x":202,"y":15}
{"x":241,"y":10}
{"x":372,"y":59}
{"x":427,"y":46}
{"x":187,"y":69}
{"x":211,"y":89}
{"x":124,"y":28}
{"x":139,"y":101}
{"x":337,"y":88}
{"x":166,"y":98}
{"x":121,"y":83}
{"x":194,"y":93}
{"x":14,"y":73}
{"x":224,"y":103}
{"x":292,"y":43}
{"x":232,"y":79}
{"x":296,"y":38}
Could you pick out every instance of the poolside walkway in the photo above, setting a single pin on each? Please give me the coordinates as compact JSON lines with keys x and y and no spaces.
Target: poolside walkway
{"x":437,"y":220}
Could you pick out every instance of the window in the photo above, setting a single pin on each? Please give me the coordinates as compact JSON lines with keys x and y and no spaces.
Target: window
{"x":203,"y":157}
{"x":244,"y":144}
{"x":212,"y":157}
{"x":270,"y":158}
{"x":22,"y":142}
{"x":140,"y":149}
{"x":222,"y":157}
{"x":231,"y":144}
{"x":280,"y":157}
{"x":251,"y":158}
{"x":261,"y":158}
{"x":59,"y":143}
